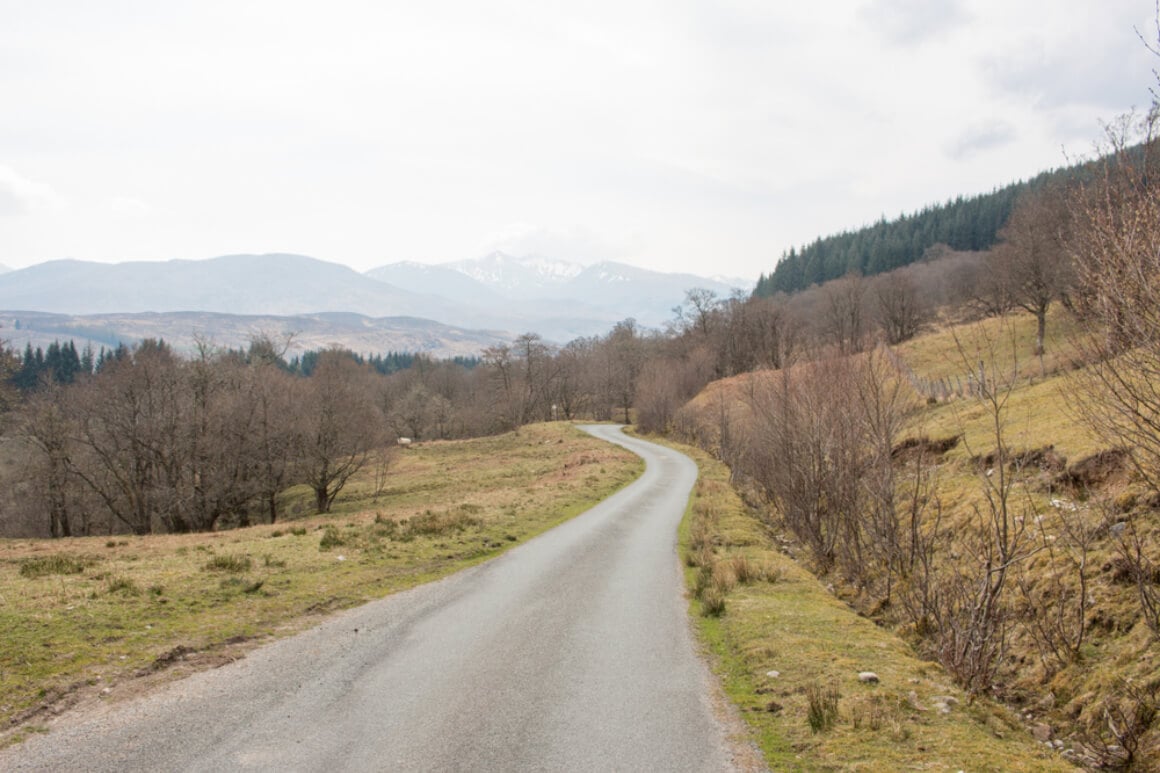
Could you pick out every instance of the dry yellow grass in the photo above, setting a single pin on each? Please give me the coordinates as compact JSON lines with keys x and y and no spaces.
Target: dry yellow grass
{"x":1038,"y":424}
{"x":782,"y":634}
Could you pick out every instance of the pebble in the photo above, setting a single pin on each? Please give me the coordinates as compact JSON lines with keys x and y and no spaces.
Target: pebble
{"x":944,"y":703}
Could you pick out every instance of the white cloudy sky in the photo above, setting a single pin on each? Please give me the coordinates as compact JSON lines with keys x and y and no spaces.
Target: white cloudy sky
{"x":673,"y":134}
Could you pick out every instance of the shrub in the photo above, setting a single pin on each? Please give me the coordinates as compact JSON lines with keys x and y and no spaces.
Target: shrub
{"x":331,"y":538}
{"x":747,"y":571}
{"x":823,"y":706}
{"x":712,"y":601}
{"x":123,"y":585}
{"x":54,"y":564}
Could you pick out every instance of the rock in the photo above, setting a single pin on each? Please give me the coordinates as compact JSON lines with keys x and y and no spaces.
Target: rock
{"x":949,"y":700}
{"x":869,"y":677}
{"x":773,"y":674}
{"x":1057,"y":743}
{"x":912,"y":701}
{"x":1117,"y":529}
{"x":1041,"y":732}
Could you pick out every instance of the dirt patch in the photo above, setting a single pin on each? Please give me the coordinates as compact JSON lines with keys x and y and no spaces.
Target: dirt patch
{"x":56,"y":700}
{"x":915,"y":448}
{"x":167,"y":659}
{"x":1096,"y":472}
{"x":1121,"y":571}
{"x":1036,"y":460}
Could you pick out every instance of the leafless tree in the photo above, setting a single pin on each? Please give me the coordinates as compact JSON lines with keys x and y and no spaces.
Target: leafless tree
{"x":50,"y":430}
{"x":1033,"y":260}
{"x":623,"y":357}
{"x":901,"y":309}
{"x":342,"y":426}
{"x":698,"y":311}
{"x":1116,"y":249}
{"x":844,"y":314}
{"x":127,"y":430}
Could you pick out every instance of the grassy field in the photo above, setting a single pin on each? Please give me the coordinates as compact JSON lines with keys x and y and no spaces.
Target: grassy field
{"x":790,"y":653}
{"x":101,"y":617}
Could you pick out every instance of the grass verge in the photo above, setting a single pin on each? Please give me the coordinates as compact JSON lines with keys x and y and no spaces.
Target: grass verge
{"x":796,"y":661}
{"x":103,"y":616}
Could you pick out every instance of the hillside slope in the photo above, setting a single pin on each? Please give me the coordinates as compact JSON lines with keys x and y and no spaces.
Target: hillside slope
{"x":1010,"y":469}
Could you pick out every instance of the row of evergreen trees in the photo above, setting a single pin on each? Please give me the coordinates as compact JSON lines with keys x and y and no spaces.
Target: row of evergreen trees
{"x":62,"y":363}
{"x":383,"y":364}
{"x":968,"y":224}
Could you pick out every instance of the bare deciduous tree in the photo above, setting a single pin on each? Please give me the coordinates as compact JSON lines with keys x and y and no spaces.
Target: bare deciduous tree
{"x":342,"y":426}
{"x":844,"y":315}
{"x":901,"y":310}
{"x":1033,"y":261}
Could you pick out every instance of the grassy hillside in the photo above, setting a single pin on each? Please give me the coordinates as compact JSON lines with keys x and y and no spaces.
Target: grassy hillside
{"x":1073,"y":500}
{"x":97,"y":618}
{"x":782,"y":641}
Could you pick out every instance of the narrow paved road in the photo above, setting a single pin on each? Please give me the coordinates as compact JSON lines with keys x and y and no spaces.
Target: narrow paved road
{"x":570,"y":653}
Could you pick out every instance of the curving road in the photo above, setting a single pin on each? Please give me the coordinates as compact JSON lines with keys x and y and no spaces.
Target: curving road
{"x":571,"y":653}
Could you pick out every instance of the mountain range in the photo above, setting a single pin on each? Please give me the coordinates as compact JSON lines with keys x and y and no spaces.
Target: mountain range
{"x":460,"y":305}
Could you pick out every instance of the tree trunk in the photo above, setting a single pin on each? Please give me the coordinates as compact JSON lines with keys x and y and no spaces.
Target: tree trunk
{"x":1040,"y":329}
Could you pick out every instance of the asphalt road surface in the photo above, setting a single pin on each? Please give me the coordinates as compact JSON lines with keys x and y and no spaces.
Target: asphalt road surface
{"x":572,"y":653}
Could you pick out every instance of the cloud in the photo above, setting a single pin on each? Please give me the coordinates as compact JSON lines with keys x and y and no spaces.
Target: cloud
{"x":577,"y":244}
{"x":912,"y":22}
{"x":19,"y":195}
{"x":981,"y":137}
{"x":1102,"y":78}
{"x":129,"y":207}
{"x":1097,"y":59}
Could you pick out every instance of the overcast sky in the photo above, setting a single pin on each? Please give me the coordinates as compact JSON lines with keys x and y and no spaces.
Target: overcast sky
{"x":675,"y":135}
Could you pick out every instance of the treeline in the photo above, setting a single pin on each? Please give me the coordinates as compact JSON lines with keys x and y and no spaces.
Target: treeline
{"x":383,"y":364}
{"x":964,"y":224}
{"x":61,"y":363}
{"x":147,"y":441}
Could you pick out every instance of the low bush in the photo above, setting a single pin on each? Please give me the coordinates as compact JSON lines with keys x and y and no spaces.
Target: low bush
{"x":59,"y":563}
{"x":823,"y":706}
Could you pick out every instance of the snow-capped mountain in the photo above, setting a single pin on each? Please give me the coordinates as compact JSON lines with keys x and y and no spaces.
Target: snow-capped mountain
{"x":499,"y":294}
{"x":526,"y":276}
{"x":559,"y":299}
